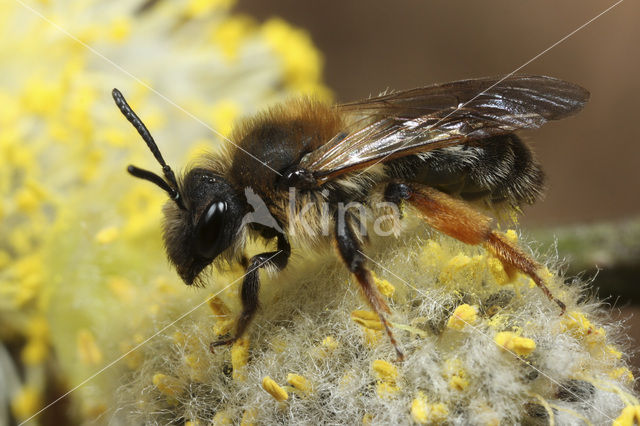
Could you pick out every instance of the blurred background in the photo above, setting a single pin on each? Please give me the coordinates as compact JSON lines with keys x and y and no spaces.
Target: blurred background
{"x":592,"y":160}
{"x":83,"y":274}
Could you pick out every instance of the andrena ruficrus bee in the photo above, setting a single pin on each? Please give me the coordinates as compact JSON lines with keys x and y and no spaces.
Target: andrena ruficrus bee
{"x":436,"y":148}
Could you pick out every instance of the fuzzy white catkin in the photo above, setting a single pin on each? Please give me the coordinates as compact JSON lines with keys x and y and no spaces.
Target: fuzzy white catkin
{"x":457,"y":375}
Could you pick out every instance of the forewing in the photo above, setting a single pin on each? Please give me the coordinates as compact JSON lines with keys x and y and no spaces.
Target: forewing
{"x":423,"y":119}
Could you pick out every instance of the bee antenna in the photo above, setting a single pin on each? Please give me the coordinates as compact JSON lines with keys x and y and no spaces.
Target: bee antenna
{"x":171,"y":184}
{"x":154,"y":178}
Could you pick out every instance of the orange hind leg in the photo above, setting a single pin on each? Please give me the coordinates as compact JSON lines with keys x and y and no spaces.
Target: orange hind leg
{"x":456,"y":219}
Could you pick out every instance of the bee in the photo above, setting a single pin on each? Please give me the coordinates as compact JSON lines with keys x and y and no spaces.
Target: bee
{"x":438,"y":148}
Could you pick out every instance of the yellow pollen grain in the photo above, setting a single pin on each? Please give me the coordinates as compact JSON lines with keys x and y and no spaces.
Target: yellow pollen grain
{"x":433,"y":255}
{"x":419,"y":411}
{"x":26,"y":403}
{"x":107,"y":235}
{"x":249,"y":417}
{"x":461,"y":268}
{"x":88,"y":351}
{"x":611,"y":350}
{"x":514,"y":343}
{"x":511,"y":235}
{"x":179,"y":338}
{"x":385,"y":371}
{"x":299,"y":382}
{"x":274,"y":389}
{"x":167,"y":385}
{"x":458,"y":383}
{"x":367,"y":419}
{"x":222,"y":418}
{"x":327,"y":346}
{"x":497,"y":271}
{"x":424,"y":413}
{"x":386,"y":390}
{"x":367,"y":319}
{"x":630,"y":416}
{"x":622,"y":373}
{"x":385,"y":287}
{"x":463,"y":315}
{"x":240,"y":358}
{"x":224,"y":318}
{"x":456,"y":374}
{"x":330,"y":343}
{"x":197,"y":367}
{"x":577,"y":324}
{"x":218,"y":307}
{"x":372,"y":337}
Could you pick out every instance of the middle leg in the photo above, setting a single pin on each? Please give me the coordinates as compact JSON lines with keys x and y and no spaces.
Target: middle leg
{"x":352,"y":255}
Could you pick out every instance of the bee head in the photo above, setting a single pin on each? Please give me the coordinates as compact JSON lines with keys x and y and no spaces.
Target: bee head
{"x":204,"y":216}
{"x":195,"y":236}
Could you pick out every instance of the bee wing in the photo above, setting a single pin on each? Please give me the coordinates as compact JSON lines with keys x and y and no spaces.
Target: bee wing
{"x":418,"y":120}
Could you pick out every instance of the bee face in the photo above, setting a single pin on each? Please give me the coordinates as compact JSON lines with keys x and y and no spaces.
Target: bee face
{"x":206,"y":227}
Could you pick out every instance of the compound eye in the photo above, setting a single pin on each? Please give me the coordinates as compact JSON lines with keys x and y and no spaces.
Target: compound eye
{"x":208,"y":233}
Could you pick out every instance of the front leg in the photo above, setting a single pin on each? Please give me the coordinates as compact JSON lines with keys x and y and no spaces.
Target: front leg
{"x":251,"y":286}
{"x":352,"y":255}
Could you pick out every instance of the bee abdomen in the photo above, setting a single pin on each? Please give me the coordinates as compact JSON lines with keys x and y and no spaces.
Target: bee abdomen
{"x":501,"y":168}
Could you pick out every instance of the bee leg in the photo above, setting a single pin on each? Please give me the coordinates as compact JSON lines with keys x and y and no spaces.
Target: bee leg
{"x":251,"y":287}
{"x":352,"y":255}
{"x":456,"y":219}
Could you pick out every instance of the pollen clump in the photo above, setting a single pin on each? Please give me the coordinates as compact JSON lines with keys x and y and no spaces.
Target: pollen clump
{"x":367,"y":319}
{"x":496,"y":268}
{"x":622,"y":373}
{"x":385,"y":371}
{"x":423,"y":412}
{"x":385,"y":287}
{"x":250,"y":417}
{"x":240,"y":358}
{"x":577,"y":324}
{"x":167,"y":385}
{"x":462,"y":316}
{"x":222,"y":418}
{"x":330,"y":343}
{"x":630,"y":416}
{"x":514,"y":343}
{"x":387,"y":375}
{"x":224,"y":317}
{"x":456,"y":375}
{"x":299,"y":382}
{"x":274,"y":389}
{"x":462,"y":268}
